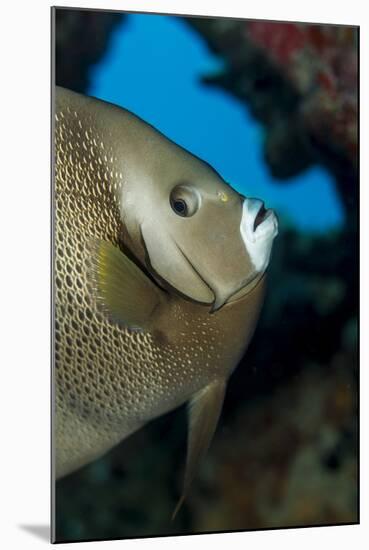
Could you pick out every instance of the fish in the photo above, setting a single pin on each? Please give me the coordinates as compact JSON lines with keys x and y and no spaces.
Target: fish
{"x":159,"y":279}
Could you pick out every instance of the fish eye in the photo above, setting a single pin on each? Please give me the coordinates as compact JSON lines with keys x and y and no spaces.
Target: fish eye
{"x":180,"y":207}
{"x":184,"y":200}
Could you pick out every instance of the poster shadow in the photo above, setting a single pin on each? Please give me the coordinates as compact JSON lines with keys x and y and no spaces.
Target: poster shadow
{"x":40,"y":531}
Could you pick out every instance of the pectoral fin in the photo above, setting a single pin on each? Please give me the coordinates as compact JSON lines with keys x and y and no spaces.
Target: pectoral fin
{"x":123,"y":291}
{"x":204,"y":411}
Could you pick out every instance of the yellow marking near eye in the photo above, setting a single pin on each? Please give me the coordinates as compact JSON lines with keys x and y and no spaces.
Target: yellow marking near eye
{"x":223,"y":196}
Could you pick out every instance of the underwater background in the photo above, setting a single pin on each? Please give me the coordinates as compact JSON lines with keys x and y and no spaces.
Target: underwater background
{"x":273,"y":108}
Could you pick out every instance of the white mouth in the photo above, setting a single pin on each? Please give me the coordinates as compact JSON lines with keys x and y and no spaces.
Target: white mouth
{"x":258,"y":229}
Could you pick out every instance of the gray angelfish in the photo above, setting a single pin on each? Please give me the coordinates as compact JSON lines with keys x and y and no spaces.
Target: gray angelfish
{"x":159,"y":280}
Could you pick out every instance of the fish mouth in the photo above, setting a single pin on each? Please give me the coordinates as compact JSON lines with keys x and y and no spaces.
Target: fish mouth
{"x":258,"y":222}
{"x":258,"y":228}
{"x":262,"y":215}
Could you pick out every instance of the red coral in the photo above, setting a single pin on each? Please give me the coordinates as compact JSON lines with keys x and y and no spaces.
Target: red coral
{"x":320,"y":61}
{"x":282,"y":40}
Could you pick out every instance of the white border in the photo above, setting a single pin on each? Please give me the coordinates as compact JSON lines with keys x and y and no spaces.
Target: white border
{"x":25,"y":241}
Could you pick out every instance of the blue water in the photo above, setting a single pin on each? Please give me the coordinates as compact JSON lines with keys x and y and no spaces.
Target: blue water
{"x":153,"y":68}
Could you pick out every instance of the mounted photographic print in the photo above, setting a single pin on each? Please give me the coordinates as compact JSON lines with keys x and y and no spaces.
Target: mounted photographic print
{"x":205,"y":274}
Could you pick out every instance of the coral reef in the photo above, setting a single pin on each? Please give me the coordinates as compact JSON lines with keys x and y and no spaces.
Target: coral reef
{"x":292,"y":454}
